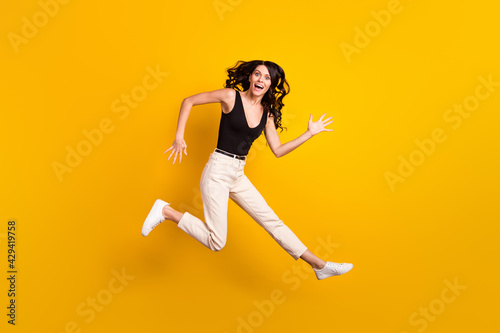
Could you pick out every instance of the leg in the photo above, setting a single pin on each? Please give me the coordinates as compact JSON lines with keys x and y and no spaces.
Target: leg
{"x":171,"y":214}
{"x":215,"y":195}
{"x":250,"y":200}
{"x":245,"y":195}
{"x":214,"y":185}
{"x":312,"y":260}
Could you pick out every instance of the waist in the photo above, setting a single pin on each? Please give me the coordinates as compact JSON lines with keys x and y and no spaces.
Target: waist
{"x":225,"y":153}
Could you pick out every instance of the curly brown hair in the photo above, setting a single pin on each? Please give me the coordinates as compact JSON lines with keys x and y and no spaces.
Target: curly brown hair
{"x":238,"y":78}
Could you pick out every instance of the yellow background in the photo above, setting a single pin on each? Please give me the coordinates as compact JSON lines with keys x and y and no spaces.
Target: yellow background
{"x":440,"y":224}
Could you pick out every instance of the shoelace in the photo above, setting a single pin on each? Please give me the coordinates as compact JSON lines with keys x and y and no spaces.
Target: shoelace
{"x":155,"y":225}
{"x":333,"y":266}
{"x":336,"y":267}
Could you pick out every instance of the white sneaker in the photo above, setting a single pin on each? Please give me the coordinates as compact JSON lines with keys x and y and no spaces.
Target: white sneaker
{"x":154,"y":218}
{"x":332,"y":269}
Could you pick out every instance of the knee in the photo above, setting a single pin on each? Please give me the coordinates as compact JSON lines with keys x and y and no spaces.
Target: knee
{"x":217,"y":246}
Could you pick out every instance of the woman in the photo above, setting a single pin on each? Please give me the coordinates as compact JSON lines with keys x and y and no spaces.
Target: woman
{"x":251,"y":102}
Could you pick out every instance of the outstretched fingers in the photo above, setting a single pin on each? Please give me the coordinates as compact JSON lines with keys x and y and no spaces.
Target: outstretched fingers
{"x":168,"y":159}
{"x":327,"y":122}
{"x":176,"y":150}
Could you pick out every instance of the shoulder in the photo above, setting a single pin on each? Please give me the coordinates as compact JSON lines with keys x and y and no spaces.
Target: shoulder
{"x":226,"y":95}
{"x":228,"y":99}
{"x":228,"y":92}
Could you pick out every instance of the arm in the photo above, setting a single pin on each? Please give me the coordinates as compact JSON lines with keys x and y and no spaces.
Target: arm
{"x":280,"y":149}
{"x":223,"y":96}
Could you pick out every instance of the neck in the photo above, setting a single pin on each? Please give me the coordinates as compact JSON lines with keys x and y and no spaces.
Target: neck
{"x":254,"y":99}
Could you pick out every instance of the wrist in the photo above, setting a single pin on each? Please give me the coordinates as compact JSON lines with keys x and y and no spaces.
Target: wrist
{"x":308,"y":134}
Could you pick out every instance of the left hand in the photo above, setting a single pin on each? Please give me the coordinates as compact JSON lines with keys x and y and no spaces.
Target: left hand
{"x":319,"y":125}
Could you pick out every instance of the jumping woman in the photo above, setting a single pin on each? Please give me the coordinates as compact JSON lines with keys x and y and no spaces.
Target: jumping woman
{"x":251,"y":102}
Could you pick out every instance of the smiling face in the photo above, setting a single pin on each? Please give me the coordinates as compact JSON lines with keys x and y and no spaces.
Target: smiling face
{"x":260,"y":80}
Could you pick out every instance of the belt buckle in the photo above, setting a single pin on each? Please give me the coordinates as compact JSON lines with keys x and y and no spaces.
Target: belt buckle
{"x":234,"y":156}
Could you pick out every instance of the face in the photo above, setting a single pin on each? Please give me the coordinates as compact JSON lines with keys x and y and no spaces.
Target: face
{"x":260,"y":80}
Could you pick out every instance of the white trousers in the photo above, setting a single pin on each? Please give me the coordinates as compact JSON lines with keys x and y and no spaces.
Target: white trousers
{"x":223,"y":177}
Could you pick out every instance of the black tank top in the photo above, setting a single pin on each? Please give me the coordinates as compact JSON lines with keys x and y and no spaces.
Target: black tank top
{"x":235,"y":136}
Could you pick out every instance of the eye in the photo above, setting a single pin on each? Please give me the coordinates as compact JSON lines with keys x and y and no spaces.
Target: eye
{"x":257,"y":74}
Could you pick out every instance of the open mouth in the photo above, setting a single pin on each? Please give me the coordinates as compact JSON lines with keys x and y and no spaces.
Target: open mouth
{"x":258,"y":87}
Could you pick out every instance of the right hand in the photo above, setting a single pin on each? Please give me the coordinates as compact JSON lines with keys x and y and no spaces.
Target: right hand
{"x":177,"y":147}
